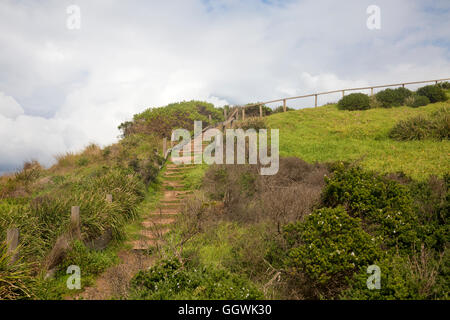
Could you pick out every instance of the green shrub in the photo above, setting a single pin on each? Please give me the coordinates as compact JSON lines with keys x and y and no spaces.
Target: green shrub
{"x":433,"y":93}
{"x":82,"y":162}
{"x":281,"y":109}
{"x":416,"y":101}
{"x":393,"y":97}
{"x":444,"y":85}
{"x":419,"y":277}
{"x":374,"y":103}
{"x":385,"y":205}
{"x":329,"y":246}
{"x":435,"y":126}
{"x":251,"y":123}
{"x":354,"y":101}
{"x":161,"y":121}
{"x":416,"y":128}
{"x":169,"y":280}
{"x":91,"y":262}
{"x":432,"y":202}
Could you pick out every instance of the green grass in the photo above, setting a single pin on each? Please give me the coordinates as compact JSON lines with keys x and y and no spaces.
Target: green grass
{"x":327,"y":134}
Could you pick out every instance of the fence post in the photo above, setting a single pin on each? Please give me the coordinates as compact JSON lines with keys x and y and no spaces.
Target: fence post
{"x":75,"y":222}
{"x":260,"y":111}
{"x":243,"y":113}
{"x":210,"y":118}
{"x":284,"y":105}
{"x":109,"y":198}
{"x":164,"y":146}
{"x":225,"y":113}
{"x":343,"y":93}
{"x":436,"y":82}
{"x":371,"y":91}
{"x":12,"y":242}
{"x":315,"y":100}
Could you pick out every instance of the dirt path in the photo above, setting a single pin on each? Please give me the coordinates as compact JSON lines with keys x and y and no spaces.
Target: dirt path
{"x":114,"y":282}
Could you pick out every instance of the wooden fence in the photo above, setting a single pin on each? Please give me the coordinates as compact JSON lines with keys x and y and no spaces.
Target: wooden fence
{"x":239,"y":111}
{"x":315,"y":95}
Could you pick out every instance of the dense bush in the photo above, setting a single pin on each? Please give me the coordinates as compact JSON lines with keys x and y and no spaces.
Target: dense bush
{"x":251,"y":123}
{"x":435,"y":126}
{"x":169,"y":280}
{"x":393,"y":97}
{"x":421,"y":276}
{"x":253,"y":111}
{"x":416,"y":101}
{"x":385,"y":205}
{"x":432,"y":202}
{"x":433,"y":93}
{"x":163,"y":120}
{"x":444,"y":85}
{"x":329,"y":246}
{"x":354,"y":101}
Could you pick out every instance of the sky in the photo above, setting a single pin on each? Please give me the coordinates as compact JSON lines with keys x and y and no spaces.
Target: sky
{"x":67,"y":82}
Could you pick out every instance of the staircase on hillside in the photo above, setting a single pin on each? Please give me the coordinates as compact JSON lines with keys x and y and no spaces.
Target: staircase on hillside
{"x":158,"y":222}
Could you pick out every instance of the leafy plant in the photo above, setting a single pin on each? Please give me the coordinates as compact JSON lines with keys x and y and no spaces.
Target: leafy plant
{"x":354,"y":101}
{"x":416,"y":101}
{"x":433,"y":93}
{"x":393,"y":97}
{"x":328,"y":247}
{"x":385,"y":205}
{"x":169,"y":280}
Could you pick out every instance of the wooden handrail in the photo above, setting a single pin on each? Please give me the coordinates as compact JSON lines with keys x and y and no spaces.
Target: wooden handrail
{"x":343,"y":90}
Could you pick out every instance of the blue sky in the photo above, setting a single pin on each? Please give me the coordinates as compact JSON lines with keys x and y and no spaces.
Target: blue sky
{"x":61,"y":89}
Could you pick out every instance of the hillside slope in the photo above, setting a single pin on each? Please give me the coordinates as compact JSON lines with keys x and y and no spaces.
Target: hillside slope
{"x":328,"y":134}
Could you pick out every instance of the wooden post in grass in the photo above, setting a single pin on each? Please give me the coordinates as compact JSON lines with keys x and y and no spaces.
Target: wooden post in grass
{"x":243,"y":113}
{"x":109,"y":198}
{"x":403,"y":85}
{"x":75,"y":224}
{"x":164,"y":146}
{"x":260,"y":111}
{"x":371,"y":91}
{"x":225,"y":114}
{"x":12,"y":242}
{"x":343,"y":93}
{"x":284,"y":105}
{"x":210,"y":118}
{"x":315,"y":100}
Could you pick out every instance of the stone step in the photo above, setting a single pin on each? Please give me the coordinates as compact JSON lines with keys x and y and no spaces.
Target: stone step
{"x":153,"y":234}
{"x":179,"y":166}
{"x":174,"y":184}
{"x":158,"y":222}
{"x":171,"y":195}
{"x":145,"y":244}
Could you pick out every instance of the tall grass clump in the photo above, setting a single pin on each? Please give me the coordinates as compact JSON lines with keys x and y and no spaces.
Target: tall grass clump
{"x":15,"y":278}
{"x":435,"y":126}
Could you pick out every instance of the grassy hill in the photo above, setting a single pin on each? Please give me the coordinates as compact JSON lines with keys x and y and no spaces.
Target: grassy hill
{"x":327,"y":134}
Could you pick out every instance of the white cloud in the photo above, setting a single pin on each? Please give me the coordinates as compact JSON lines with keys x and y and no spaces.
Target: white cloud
{"x":9,"y":107}
{"x":61,"y":89}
